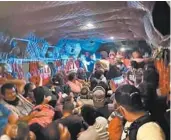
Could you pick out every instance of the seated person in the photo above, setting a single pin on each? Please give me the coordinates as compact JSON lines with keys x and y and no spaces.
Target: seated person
{"x":99,"y":75}
{"x":121,"y":66}
{"x":28,"y":94}
{"x":18,"y":131}
{"x":72,"y":122}
{"x":15,"y":102}
{"x":81,"y":74}
{"x":73,"y":83}
{"x":113,"y":72}
{"x":85,"y":97}
{"x":135,"y":75}
{"x":99,"y":95}
{"x":5,"y":77}
{"x":137,"y":57}
{"x":97,"y":129}
{"x":55,"y":131}
{"x":45,"y":101}
{"x":57,"y":83}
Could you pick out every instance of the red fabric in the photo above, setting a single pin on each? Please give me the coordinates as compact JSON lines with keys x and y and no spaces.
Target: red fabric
{"x":164,"y":77}
{"x":46,"y":119}
{"x":33,"y":69}
{"x":70,"y":65}
{"x":75,"y":87}
{"x":35,"y":80}
{"x":115,"y":129}
{"x":18,"y":69}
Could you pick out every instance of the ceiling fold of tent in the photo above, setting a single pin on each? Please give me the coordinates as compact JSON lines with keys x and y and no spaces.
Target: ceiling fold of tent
{"x":54,"y":20}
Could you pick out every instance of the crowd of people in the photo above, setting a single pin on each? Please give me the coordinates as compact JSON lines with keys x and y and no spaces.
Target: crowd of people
{"x":114,"y":102}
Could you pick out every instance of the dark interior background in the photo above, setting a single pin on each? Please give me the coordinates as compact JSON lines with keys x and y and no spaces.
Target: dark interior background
{"x":161,"y":17}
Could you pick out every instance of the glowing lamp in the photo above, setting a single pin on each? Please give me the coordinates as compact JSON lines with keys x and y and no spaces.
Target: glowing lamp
{"x":111,"y":37}
{"x":90,"y":25}
{"x":122,"y":49}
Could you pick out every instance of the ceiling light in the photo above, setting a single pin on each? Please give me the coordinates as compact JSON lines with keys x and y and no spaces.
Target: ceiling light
{"x":112,"y":37}
{"x":46,"y":66}
{"x":122,"y":49}
{"x":90,"y":25}
{"x":87,"y":26}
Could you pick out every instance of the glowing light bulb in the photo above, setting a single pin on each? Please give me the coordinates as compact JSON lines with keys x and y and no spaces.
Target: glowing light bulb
{"x":46,"y":66}
{"x":90,"y":25}
{"x":122,"y":49}
{"x":112,"y":37}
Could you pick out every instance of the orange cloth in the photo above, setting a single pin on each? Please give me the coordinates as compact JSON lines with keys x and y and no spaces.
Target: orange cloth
{"x":75,"y":87}
{"x":35,"y":74}
{"x":46,"y":118}
{"x":115,"y":129}
{"x":164,"y":77}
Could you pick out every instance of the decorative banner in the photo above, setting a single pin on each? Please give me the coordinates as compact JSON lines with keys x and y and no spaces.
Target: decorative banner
{"x":4,"y":38}
{"x":37,"y":47}
{"x":19,"y":47}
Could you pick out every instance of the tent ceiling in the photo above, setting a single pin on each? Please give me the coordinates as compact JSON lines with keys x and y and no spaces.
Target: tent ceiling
{"x":54,"y":20}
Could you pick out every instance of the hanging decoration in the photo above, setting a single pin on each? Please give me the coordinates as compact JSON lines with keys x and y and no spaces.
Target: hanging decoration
{"x":18,"y":48}
{"x":39,"y":71}
{"x":162,"y":63}
{"x":4,"y":38}
{"x":17,"y":70}
{"x":164,"y":76}
{"x":37,"y":47}
{"x":68,"y":49}
{"x":33,"y":71}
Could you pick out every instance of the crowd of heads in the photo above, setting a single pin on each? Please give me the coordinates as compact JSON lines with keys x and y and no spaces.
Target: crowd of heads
{"x":76,"y":106}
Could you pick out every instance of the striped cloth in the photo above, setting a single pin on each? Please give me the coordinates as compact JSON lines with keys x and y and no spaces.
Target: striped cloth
{"x":23,"y":108}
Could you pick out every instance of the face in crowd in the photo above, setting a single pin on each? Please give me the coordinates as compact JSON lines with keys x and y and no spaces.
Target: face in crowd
{"x":136,"y":54}
{"x":10,"y":94}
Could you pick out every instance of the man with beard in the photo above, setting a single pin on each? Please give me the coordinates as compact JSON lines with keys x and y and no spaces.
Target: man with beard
{"x":16,"y":103}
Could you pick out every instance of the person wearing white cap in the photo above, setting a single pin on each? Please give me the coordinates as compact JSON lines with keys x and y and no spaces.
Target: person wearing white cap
{"x":97,"y":129}
{"x":89,"y":115}
{"x":101,"y":126}
{"x":99,"y":95}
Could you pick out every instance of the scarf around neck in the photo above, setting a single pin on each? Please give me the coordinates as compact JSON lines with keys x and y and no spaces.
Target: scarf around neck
{"x":14,"y":103}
